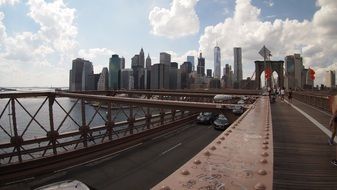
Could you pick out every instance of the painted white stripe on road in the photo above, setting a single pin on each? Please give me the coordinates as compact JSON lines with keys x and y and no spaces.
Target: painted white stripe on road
{"x":115,"y":154}
{"x":314,"y":121}
{"x":166,"y":151}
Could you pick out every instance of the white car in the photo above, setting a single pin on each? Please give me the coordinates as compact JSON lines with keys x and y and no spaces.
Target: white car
{"x":67,"y":185}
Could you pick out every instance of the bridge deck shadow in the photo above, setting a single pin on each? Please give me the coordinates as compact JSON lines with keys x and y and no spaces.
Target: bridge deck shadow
{"x":301,"y":151}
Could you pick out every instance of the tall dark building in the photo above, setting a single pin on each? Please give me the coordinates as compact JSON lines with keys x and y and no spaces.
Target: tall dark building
{"x":114,"y":72}
{"x":209,"y":72}
{"x":77,"y":74}
{"x":87,"y":83}
{"x":134,"y":61}
{"x":186,"y":69}
{"x":201,"y":65}
{"x":147,"y":73}
{"x":137,"y":64}
{"x":173,"y":75}
{"x":160,"y":76}
{"x":93,"y":81}
{"x":141,"y":59}
{"x":103,"y":81}
{"x":165,"y":58}
{"x":122,"y":63}
{"x":148,"y":62}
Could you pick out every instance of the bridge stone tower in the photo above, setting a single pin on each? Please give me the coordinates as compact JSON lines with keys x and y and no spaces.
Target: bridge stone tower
{"x":276,"y":66}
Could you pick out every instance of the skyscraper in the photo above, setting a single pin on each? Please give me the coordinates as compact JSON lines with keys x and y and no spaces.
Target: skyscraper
{"x":127,"y":79}
{"x":141,"y":58}
{"x":122,"y":63}
{"x":330,"y":79}
{"x":293,"y":71}
{"x":81,"y":75}
{"x":191,"y":60}
{"x":103,"y":81}
{"x":148,"y":62}
{"x":209,"y":73}
{"x":173,"y":75}
{"x":201,"y":65}
{"x":165,"y":58}
{"x":147,"y":73}
{"x":237,"y":65}
{"x":76,"y":74}
{"x":114,"y":72}
{"x":87,"y":71}
{"x":217,"y":62}
{"x":186,"y":69}
{"x":160,"y":76}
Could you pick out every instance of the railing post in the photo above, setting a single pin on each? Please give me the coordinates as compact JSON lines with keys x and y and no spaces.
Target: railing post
{"x":131,"y":120}
{"x":182,"y":113}
{"x":148,"y":118}
{"x":84,"y":128}
{"x":173,"y":114}
{"x":16,"y":140}
{"x":52,"y":135}
{"x":162,"y":115}
{"x":110,"y":123}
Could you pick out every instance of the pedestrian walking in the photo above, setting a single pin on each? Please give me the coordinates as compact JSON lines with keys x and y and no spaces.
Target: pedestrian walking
{"x":290,"y":95}
{"x":333,"y":126}
{"x":282,"y":93}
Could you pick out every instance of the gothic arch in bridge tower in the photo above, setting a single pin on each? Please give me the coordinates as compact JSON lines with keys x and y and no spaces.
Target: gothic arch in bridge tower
{"x":276,"y":66}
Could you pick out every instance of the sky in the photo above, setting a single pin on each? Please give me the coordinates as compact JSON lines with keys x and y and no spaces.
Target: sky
{"x":40,"y":38}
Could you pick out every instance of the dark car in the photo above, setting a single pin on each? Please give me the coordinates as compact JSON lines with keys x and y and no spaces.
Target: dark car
{"x":221,"y":123}
{"x":238,"y":110}
{"x":206,"y":117}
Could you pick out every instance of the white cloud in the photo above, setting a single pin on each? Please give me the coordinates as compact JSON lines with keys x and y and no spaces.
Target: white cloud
{"x":269,"y":3}
{"x":11,"y":2}
{"x":316,"y":40}
{"x":42,"y":58}
{"x":178,"y":21}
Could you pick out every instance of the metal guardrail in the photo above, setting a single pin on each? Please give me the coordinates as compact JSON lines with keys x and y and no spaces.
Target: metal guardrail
{"x":54,"y":140}
{"x":321,"y":102}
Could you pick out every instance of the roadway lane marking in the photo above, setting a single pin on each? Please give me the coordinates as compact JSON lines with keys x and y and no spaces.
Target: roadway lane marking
{"x":314,"y":121}
{"x":115,"y":154}
{"x":21,"y":180}
{"x":173,"y":132}
{"x":209,"y":127}
{"x":166,"y":151}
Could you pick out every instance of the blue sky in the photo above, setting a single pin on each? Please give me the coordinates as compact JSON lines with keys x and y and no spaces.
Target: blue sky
{"x":44,"y":36}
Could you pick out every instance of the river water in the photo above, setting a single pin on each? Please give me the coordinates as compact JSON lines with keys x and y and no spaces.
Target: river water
{"x":35,"y":130}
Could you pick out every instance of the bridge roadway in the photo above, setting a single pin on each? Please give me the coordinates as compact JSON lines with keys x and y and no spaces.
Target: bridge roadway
{"x":140,"y":167}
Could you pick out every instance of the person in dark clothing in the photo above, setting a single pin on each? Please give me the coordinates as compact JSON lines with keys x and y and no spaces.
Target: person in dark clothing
{"x":333,"y":126}
{"x":290,"y":95}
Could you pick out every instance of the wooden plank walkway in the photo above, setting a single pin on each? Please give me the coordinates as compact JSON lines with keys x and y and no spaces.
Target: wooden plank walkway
{"x":301,"y":152}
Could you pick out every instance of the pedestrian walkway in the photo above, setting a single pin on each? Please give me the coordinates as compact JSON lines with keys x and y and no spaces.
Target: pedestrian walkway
{"x":301,"y":151}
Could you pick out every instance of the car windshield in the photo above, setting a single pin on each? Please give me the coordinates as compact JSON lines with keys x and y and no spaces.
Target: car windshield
{"x":237,"y":107}
{"x":207,"y":113}
{"x":222,"y":120}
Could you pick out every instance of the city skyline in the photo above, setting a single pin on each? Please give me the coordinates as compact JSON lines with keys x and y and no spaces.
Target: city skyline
{"x":39,"y":39}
